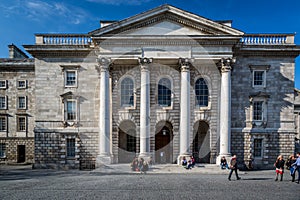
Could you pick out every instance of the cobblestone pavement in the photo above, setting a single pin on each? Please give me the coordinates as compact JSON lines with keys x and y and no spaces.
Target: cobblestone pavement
{"x":163,"y":182}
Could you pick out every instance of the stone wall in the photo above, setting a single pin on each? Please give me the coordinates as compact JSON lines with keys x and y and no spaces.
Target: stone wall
{"x":51,"y":131}
{"x":274,"y":144}
{"x":51,"y":152}
{"x":278,"y":134}
{"x":11,"y":145}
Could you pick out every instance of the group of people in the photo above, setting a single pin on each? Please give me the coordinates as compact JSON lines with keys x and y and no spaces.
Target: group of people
{"x":139,"y":165}
{"x":188,"y":164}
{"x":292,"y":164}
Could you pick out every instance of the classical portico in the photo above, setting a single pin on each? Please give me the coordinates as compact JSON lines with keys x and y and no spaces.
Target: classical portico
{"x":188,"y":43}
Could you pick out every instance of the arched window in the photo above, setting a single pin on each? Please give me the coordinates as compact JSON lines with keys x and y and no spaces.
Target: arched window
{"x":201,"y":91}
{"x":164,"y":92}
{"x":127,"y":92}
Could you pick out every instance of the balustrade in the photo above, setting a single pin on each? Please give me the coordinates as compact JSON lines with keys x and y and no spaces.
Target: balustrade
{"x":63,"y":39}
{"x":268,"y":39}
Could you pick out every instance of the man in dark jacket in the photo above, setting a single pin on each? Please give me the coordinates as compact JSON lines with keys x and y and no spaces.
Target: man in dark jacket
{"x":233,"y":167}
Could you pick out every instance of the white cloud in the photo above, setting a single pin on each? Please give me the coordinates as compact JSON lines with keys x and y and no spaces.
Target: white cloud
{"x":39,"y":10}
{"x":120,"y":2}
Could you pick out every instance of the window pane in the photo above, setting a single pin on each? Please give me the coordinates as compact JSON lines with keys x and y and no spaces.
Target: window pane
{"x":21,"y":84}
{"x":2,"y":123}
{"x":2,"y":84}
{"x":258,"y":110}
{"x":70,"y":78}
{"x":2,"y":103}
{"x":258,"y":78}
{"x":164,"y":92}
{"x":127,"y":92}
{"x":21,"y":124}
{"x":2,"y":150}
{"x":22,"y":103}
{"x":71,"y":110}
{"x":70,"y":147}
{"x":257,"y":147}
{"x":201,"y":91}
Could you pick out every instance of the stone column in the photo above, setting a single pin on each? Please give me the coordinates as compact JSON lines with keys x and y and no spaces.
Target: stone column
{"x":184,"y":109}
{"x":225,"y":108}
{"x":104,"y":156}
{"x":145,"y":108}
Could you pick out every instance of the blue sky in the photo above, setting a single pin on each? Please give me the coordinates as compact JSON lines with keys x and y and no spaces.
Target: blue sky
{"x":21,"y":19}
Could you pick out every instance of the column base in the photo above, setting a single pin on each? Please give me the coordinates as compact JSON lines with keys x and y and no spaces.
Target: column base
{"x":103,"y":160}
{"x":227,"y":156}
{"x":179,"y":158}
{"x":146,"y":156}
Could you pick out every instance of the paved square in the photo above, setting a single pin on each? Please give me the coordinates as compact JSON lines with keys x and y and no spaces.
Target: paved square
{"x":24,"y":183}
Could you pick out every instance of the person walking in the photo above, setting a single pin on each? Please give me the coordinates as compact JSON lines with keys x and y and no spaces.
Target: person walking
{"x":233,"y":167}
{"x":279,"y":164}
{"x":289,"y":164}
{"x":297,"y":164}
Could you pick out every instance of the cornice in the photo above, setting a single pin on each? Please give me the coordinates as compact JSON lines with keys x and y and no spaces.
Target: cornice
{"x":61,"y":51}
{"x":16,"y":64}
{"x":166,"y":40}
{"x":267,"y":50}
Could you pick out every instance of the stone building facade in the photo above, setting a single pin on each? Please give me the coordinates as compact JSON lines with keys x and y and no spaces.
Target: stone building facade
{"x":17,"y":107}
{"x":161,"y":85}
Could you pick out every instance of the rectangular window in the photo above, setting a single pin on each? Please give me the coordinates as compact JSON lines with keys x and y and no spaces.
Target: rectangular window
{"x":3,"y":104}
{"x":259,"y":78}
{"x":258,"y":110}
{"x":71,"y":147}
{"x":3,"y":123}
{"x":71,"y":78}
{"x":2,"y":150}
{"x":21,"y":123}
{"x":71,"y":110}
{"x":21,"y":102}
{"x":2,"y":84}
{"x":21,"y":84}
{"x":258,"y":147}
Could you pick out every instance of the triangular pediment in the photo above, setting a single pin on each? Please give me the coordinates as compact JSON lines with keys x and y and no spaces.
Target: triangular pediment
{"x":165,"y":28}
{"x":166,"y":20}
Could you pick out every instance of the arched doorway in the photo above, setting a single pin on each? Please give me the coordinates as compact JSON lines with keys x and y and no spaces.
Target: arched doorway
{"x":127,"y":142}
{"x":201,"y":142}
{"x":163,"y":143}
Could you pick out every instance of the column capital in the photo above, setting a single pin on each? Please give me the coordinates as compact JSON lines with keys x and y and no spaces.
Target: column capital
{"x":144,"y":60}
{"x":103,"y":63}
{"x":225,"y":64}
{"x":184,"y":64}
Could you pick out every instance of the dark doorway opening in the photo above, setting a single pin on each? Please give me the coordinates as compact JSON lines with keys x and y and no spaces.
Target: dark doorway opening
{"x":21,"y":153}
{"x":201,"y":142}
{"x":127,"y":145}
{"x":163,"y":144}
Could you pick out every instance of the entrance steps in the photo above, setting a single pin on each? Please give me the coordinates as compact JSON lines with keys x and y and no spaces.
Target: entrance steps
{"x":161,"y":169}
